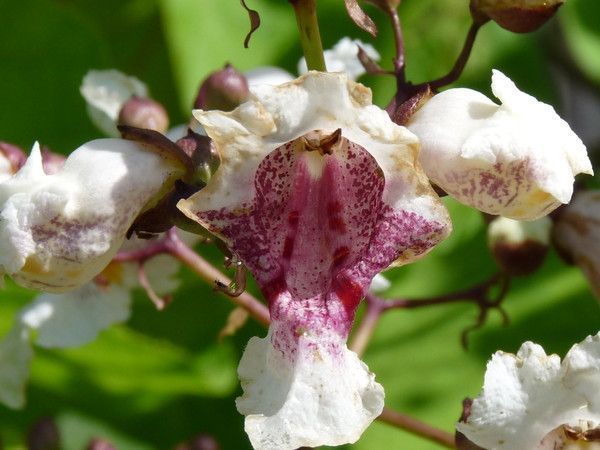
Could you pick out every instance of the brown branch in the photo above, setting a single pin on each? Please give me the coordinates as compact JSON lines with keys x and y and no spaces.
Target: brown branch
{"x":417,"y":427}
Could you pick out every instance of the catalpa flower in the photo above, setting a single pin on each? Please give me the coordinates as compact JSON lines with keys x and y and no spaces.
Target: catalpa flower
{"x":75,"y":318}
{"x":517,"y":159}
{"x":532,"y":401}
{"x":58,"y":231}
{"x":317,"y":192}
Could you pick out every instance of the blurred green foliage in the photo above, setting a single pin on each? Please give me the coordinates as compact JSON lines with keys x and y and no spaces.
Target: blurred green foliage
{"x":165,"y":376}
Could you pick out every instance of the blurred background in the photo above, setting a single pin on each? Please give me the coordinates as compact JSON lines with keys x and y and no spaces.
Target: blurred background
{"x":165,"y":377}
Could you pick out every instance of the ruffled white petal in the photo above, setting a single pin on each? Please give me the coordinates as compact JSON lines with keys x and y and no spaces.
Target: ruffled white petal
{"x":320,"y":398}
{"x":517,"y":159}
{"x":58,"y":231}
{"x":343,"y":57}
{"x":105,"y":92}
{"x":527,"y":396}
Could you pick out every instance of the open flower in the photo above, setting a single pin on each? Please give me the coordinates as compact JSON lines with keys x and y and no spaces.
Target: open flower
{"x":517,"y":159}
{"x":577,"y":235}
{"x":317,"y":192}
{"x":59,"y":231}
{"x":532,"y":401}
{"x":75,"y":318}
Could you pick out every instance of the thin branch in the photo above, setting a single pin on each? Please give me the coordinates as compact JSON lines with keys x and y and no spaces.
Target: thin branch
{"x":417,"y":427}
{"x":461,"y":61}
{"x":177,"y":248}
{"x":399,"y":62}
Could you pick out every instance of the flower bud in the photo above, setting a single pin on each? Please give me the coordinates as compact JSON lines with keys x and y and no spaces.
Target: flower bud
{"x":577,"y":235}
{"x":200,"y":442}
{"x":100,"y":444}
{"x":519,"y":247}
{"x":43,"y":435}
{"x":11,"y":158}
{"x":202,"y":152}
{"x":224,"y":90}
{"x":144,"y":113}
{"x":518,"y":16}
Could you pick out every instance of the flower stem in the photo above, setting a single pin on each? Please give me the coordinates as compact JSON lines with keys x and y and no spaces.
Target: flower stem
{"x":461,"y":61}
{"x":417,"y":427}
{"x":308,"y":26}
{"x":206,"y":271}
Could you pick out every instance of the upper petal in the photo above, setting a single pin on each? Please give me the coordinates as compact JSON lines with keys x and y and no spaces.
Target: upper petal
{"x":517,"y":159}
{"x":58,"y":231}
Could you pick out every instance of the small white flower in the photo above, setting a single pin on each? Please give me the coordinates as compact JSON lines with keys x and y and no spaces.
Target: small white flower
{"x":517,"y":159}
{"x":105,"y":92}
{"x":317,"y":192}
{"x":58,"y":231}
{"x":529,"y":396}
{"x":75,"y":318}
{"x":343,"y":57}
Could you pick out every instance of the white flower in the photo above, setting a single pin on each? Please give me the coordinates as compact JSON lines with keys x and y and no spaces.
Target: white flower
{"x":343,"y":57}
{"x":317,"y":192}
{"x":105,"y":92}
{"x":577,"y":233}
{"x":6,"y":167}
{"x":517,"y":159}
{"x":58,"y":231}
{"x":527,"y":398}
{"x":75,"y":318}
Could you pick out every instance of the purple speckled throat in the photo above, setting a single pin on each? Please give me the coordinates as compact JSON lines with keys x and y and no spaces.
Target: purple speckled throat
{"x":317,"y":232}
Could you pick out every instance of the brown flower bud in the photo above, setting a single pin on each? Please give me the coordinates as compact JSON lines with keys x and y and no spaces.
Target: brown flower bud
{"x":576,"y":235}
{"x":224,"y":89}
{"x":519,"y":248}
{"x":43,"y":435}
{"x":200,"y":442}
{"x":518,"y":16}
{"x":144,"y":113}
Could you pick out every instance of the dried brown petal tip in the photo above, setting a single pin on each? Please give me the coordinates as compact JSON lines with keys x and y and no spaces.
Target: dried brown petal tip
{"x":461,"y":441}
{"x":144,"y":113}
{"x":224,"y":90}
{"x":405,"y":111}
{"x":360,"y":18}
{"x":518,"y":16}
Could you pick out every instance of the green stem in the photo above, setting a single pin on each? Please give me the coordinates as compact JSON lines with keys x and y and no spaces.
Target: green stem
{"x":308,"y":26}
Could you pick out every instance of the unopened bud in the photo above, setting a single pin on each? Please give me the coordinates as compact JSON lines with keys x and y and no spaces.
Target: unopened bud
{"x":144,"y":113}
{"x":202,"y":152}
{"x":576,"y":235}
{"x":224,"y":89}
{"x":519,"y":247}
{"x":100,"y":444}
{"x":518,"y":16}
{"x":200,"y":442}
{"x":11,"y":158}
{"x":43,"y":435}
